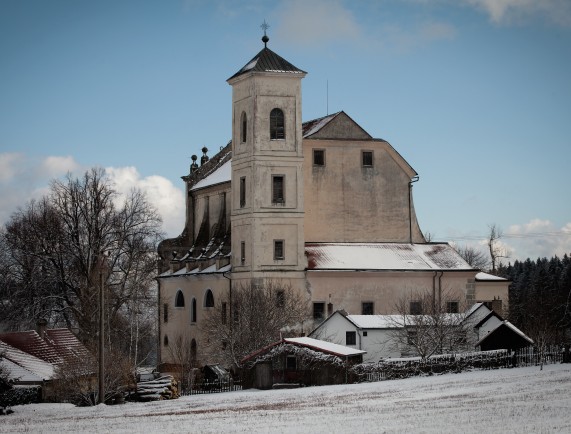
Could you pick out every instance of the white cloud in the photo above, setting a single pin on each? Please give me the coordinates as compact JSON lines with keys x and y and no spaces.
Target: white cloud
{"x":161,"y":193}
{"x":54,"y":166}
{"x":538,"y":238}
{"x":507,"y":11}
{"x":23,"y":178}
{"x":313,"y":22}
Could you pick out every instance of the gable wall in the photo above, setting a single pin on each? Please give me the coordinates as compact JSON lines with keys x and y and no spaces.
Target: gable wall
{"x":345,"y":202}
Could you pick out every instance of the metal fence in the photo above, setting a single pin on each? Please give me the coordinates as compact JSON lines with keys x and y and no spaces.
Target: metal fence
{"x":532,"y":356}
{"x":214,"y":386}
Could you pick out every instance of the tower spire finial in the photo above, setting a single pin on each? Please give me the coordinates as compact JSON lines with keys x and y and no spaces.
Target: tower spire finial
{"x":265,"y":26}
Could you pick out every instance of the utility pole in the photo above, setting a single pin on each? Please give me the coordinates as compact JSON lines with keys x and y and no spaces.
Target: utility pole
{"x":101,"y":330}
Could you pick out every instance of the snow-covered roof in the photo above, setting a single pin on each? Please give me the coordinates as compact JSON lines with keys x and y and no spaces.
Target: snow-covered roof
{"x":195,"y":271}
{"x":311,"y":127}
{"x":511,"y":327}
{"x":376,"y":321}
{"x":37,"y":367}
{"x":328,"y":347}
{"x":384,"y":256}
{"x":485,"y":277}
{"x":220,"y":175}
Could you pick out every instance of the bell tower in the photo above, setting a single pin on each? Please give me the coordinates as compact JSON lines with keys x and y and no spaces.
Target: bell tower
{"x":267,"y":177}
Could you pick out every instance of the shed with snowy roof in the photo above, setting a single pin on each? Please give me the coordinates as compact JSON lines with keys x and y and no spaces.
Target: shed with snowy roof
{"x":299,"y":361}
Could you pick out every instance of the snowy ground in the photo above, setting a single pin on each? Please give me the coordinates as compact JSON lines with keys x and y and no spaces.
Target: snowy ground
{"x":505,"y":400}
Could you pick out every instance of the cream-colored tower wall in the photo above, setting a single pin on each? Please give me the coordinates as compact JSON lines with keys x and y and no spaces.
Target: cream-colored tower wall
{"x":210,"y":202}
{"x":385,"y":289}
{"x":346,"y":202}
{"x":259,"y":222}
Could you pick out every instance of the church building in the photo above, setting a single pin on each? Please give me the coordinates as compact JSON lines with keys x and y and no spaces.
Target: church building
{"x":320,"y":205}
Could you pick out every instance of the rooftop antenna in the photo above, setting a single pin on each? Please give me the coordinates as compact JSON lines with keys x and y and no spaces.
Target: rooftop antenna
{"x":265,"y":26}
{"x":327,"y":91}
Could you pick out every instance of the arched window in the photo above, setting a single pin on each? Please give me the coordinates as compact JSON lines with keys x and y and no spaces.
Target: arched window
{"x":179,"y":299}
{"x":277,"y":124}
{"x":208,"y":299}
{"x":193,"y":310}
{"x":243,"y":128}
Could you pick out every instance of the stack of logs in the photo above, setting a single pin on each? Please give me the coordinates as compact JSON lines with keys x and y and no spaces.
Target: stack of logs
{"x":164,"y":387}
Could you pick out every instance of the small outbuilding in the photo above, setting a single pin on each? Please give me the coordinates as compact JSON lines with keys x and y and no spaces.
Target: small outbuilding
{"x":294,"y":362}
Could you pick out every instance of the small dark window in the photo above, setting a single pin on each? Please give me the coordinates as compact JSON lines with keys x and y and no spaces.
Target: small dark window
{"x":291,"y":363}
{"x":318,"y":157}
{"x":415,"y":308}
{"x":280,"y":299}
{"x":165,"y":312}
{"x":223,"y":313}
{"x":278,"y":195}
{"x":411,"y":337}
{"x":278,"y":249}
{"x":209,"y":299}
{"x":242,"y":192}
{"x":365,"y":334}
{"x":244,"y":127}
{"x":367,"y":158}
{"x":166,"y":341}
{"x":329,"y":309}
{"x":193,"y":350}
{"x":193,"y":310}
{"x":318,"y":311}
{"x":367,"y":308}
{"x":243,"y":252}
{"x":350,"y":338}
{"x":277,"y":125}
{"x":179,"y":299}
{"x":452,"y":307}
{"x":224,"y":345}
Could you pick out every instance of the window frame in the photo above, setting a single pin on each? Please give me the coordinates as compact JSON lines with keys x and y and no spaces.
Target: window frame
{"x":275,"y":192}
{"x":370,"y":304}
{"x":368,"y":152}
{"x":316,"y":152}
{"x":415,"y":307}
{"x":242,"y":252}
{"x":277,"y":124}
{"x":454,"y":303}
{"x":277,"y":256}
{"x":243,"y":127}
{"x":193,"y":311}
{"x":179,"y":299}
{"x":242,"y":192}
{"x":209,"y":298}
{"x":322,"y":317}
{"x":165,"y":313}
{"x":350,"y":338}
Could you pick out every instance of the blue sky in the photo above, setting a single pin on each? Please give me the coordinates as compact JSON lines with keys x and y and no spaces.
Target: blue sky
{"x":475,"y":94}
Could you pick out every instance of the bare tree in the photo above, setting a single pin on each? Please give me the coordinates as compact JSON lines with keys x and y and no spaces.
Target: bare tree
{"x":64,"y":247}
{"x":183,"y":356}
{"x":251,"y":317}
{"x":496,"y":251}
{"x":428,"y":323}
{"x":474,"y":257}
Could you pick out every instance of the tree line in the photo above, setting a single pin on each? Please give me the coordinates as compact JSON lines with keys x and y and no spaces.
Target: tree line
{"x":540,"y":297}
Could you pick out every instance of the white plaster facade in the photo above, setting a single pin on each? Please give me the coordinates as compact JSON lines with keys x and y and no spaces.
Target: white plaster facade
{"x":340,"y":185}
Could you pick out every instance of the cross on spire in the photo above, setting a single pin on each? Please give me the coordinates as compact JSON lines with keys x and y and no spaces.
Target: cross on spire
{"x":265,"y":26}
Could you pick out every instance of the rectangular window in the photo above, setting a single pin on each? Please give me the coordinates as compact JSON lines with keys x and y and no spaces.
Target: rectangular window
{"x":452,"y":306}
{"x":224,"y":312}
{"x":291,"y":363}
{"x":278,"y":249}
{"x":318,"y":157}
{"x":280,"y":299}
{"x":243,"y":252}
{"x":367,"y":308}
{"x":411,"y":337}
{"x":367,"y":158}
{"x":350,"y":338}
{"x":365,"y":334}
{"x":318,"y":311}
{"x":415,"y":308}
{"x":242,"y":192}
{"x":278,"y":193}
{"x":166,"y":312}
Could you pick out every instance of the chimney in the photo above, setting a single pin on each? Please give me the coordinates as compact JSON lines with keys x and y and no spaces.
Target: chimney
{"x":41,"y":326}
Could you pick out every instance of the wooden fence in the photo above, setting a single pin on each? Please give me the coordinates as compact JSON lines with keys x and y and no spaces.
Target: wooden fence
{"x":215,"y":386}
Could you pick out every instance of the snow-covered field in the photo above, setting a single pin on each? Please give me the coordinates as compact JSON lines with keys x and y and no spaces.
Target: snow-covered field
{"x":506,"y":400}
